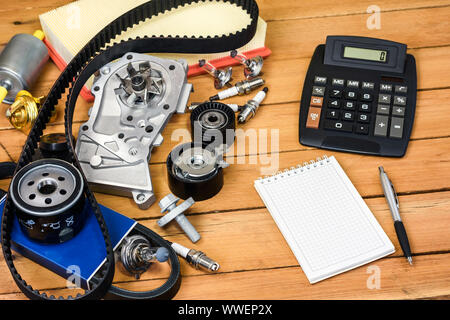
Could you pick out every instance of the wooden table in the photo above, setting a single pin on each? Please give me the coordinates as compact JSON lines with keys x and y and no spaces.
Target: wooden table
{"x":236,"y":228}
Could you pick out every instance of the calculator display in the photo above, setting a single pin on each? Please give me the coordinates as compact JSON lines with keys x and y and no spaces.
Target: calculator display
{"x":365,"y":54}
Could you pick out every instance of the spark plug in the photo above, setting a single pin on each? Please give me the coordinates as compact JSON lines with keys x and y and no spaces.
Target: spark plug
{"x":240,"y":88}
{"x":196,"y":258}
{"x":249,"y":109}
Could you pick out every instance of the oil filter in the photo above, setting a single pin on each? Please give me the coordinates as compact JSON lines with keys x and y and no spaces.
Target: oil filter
{"x":49,"y":199}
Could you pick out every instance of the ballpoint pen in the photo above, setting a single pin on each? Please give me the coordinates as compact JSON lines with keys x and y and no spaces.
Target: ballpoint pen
{"x":392,"y":201}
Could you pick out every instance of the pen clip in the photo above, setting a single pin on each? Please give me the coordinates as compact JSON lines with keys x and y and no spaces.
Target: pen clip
{"x":395,"y":194}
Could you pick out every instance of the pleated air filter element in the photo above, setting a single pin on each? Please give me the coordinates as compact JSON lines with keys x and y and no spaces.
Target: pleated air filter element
{"x":70,"y":27}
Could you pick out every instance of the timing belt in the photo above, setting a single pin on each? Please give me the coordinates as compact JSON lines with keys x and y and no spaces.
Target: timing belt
{"x":91,"y":58}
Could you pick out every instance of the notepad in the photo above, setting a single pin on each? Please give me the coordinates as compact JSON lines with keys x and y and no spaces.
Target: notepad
{"x":326,"y":223}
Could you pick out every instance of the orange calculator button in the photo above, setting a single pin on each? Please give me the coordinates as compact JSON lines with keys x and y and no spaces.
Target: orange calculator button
{"x":313,"y":118}
{"x":316,"y":101}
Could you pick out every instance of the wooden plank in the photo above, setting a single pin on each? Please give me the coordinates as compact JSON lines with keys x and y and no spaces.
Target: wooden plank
{"x":26,"y":18}
{"x":285,"y":76}
{"x":427,"y":168}
{"x":286,"y":9}
{"x":14,"y":140}
{"x":255,"y":233}
{"x":427,"y":160}
{"x":430,"y":71}
{"x":264,"y":246}
{"x":430,"y":121}
{"x":284,"y":79}
{"x":30,"y":6}
{"x":4,"y":156}
{"x":289,"y":45}
{"x":41,"y":278}
{"x":288,"y":82}
{"x":303,"y":10}
{"x":429,"y":277}
{"x":396,"y":26}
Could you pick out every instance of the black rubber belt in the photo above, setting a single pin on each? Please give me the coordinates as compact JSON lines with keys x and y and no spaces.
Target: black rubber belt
{"x":90,"y":59}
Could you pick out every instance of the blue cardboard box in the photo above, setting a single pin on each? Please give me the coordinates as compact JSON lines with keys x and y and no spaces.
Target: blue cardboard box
{"x":79,"y":257}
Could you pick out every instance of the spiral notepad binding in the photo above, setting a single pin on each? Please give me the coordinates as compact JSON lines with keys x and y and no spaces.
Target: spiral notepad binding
{"x":320,"y":161}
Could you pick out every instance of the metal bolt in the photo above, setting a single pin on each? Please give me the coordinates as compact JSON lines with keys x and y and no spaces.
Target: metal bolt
{"x":96,"y":161}
{"x":253,"y":66}
{"x":133,"y":151}
{"x":106,"y":70}
{"x":221,"y":76}
{"x":174,"y":212}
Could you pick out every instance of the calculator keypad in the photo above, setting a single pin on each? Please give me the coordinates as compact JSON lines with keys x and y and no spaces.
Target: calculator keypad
{"x":360,"y":107}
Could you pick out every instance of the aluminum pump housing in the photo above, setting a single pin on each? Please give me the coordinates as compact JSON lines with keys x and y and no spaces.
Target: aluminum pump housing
{"x":135,"y":98}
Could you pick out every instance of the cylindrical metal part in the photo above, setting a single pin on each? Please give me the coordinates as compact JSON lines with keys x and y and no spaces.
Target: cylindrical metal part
{"x":240,"y":88}
{"x":213,"y":124}
{"x":253,"y":66}
{"x":130,"y":255}
{"x":188,"y":228}
{"x":201,"y":182}
{"x":54,"y":145}
{"x":49,"y":200}
{"x":136,"y":254}
{"x":23,"y":112}
{"x":20,"y":63}
{"x":248,"y":112}
{"x":222,"y":95}
{"x":221,"y":76}
{"x":249,"y":109}
{"x":180,"y":250}
{"x":235,"y":107}
{"x":246,"y":86}
{"x":200,"y":260}
{"x":196,"y":258}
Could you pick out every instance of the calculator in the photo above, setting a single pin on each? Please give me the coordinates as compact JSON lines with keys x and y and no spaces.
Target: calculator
{"x":359,"y":96}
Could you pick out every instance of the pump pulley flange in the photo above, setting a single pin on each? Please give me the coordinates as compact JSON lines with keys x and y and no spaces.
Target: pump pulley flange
{"x":194,"y":170}
{"x":213,"y":124}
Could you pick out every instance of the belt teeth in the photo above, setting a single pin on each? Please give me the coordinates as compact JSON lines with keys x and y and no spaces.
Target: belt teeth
{"x":69,"y":78}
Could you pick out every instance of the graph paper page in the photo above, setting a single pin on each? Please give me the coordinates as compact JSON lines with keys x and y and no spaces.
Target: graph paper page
{"x":326,"y":223}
